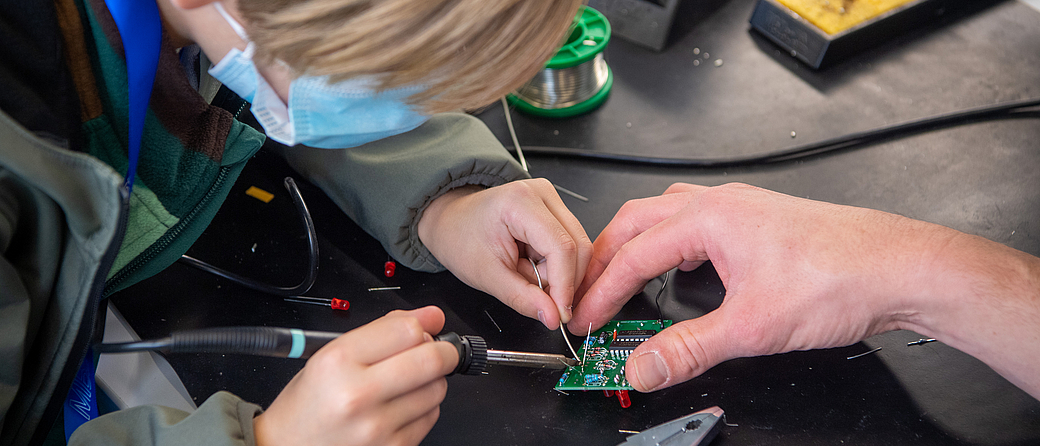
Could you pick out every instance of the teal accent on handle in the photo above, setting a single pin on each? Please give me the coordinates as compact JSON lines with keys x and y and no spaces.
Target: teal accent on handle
{"x":298,"y":342}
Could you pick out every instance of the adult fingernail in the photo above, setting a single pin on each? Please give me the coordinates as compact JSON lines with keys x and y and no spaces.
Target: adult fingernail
{"x":427,"y":337}
{"x":541,"y":318}
{"x":650,"y":370}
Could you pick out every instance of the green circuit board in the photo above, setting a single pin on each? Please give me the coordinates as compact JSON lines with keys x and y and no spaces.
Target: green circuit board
{"x":605,"y":352}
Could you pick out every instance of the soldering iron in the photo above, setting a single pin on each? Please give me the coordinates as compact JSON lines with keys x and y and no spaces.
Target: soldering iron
{"x":474,"y":356}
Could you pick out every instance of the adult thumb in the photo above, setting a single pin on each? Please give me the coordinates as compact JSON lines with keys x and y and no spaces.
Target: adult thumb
{"x":677,"y":354}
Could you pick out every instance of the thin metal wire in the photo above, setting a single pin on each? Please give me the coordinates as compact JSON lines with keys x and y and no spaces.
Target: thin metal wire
{"x":570,"y":192}
{"x":512,"y":134}
{"x":554,"y":88}
{"x":562,"y":331}
{"x":727,"y":423}
{"x":536,"y":275}
{"x":520,"y":152}
{"x":864,"y":353}
{"x":312,"y":302}
{"x":586,"y":351}
{"x":493,"y":321}
{"x":657,"y":299}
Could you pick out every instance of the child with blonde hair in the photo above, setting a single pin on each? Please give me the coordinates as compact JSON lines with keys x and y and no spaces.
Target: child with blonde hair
{"x":359,"y":94}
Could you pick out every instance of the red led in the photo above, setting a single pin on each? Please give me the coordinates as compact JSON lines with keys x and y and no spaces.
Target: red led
{"x":335,"y":304}
{"x":389,"y":267}
{"x":622,"y":396}
{"x":608,"y":393}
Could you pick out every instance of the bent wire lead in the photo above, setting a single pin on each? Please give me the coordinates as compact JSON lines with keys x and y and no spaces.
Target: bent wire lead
{"x":864,"y":353}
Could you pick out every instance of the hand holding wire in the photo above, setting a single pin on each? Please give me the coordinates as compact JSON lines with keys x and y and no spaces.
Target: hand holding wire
{"x":485,"y":236}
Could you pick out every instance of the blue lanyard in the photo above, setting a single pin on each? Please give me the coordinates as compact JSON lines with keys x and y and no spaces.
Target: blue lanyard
{"x":140,"y":20}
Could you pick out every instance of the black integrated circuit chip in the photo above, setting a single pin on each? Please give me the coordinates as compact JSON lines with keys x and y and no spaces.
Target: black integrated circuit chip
{"x":624,"y":345}
{"x":632,"y":334}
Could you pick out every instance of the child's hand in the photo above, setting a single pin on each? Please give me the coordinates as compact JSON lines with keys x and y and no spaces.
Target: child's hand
{"x":381,"y":384}
{"x":485,"y":236}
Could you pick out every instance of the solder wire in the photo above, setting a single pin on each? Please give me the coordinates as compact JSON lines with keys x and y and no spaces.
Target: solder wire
{"x":512,"y":134}
{"x":520,"y":152}
{"x":562,"y":330}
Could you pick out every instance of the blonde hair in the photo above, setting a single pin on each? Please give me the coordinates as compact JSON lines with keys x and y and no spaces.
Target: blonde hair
{"x":467,"y":53}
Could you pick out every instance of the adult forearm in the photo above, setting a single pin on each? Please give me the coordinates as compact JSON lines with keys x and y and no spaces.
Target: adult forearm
{"x":983,"y":298}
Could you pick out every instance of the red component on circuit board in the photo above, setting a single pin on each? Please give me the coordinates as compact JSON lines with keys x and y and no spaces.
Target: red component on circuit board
{"x":622,"y":396}
{"x":608,"y":393}
{"x":339,"y":304}
{"x":389,"y":267}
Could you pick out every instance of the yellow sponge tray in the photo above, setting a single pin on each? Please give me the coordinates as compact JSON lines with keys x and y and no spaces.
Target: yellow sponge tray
{"x":823,"y":32}
{"x":835,"y":16}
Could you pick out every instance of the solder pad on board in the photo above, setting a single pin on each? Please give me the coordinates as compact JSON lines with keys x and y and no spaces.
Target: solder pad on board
{"x":605,"y":353}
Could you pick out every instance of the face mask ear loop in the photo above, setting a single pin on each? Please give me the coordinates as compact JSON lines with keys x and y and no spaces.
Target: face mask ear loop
{"x":239,"y":29}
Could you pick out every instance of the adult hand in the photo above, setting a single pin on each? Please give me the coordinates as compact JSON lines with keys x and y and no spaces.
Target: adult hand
{"x":380,"y":384}
{"x":801,"y":274}
{"x":485,"y":236}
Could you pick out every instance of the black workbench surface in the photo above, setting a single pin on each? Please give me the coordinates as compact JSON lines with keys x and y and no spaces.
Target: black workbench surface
{"x":982,"y":178}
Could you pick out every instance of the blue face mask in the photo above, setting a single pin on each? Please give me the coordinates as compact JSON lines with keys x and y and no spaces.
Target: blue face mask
{"x":319,"y":114}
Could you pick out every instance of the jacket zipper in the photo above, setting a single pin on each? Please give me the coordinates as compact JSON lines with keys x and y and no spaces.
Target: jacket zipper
{"x":174,"y":232}
{"x":168,"y":238}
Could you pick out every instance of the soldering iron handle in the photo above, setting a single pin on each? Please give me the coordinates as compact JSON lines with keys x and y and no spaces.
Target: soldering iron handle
{"x":260,"y":341}
{"x":472,"y":353}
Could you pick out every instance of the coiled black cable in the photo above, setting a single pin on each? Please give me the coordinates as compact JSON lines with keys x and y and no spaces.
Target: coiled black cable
{"x":312,"y":257}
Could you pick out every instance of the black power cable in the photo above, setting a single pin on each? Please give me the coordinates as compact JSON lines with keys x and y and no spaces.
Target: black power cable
{"x":1016,"y":109}
{"x":258,"y":341}
{"x":312,"y":257}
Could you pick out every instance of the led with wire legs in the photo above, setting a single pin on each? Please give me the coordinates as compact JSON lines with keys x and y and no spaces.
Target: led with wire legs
{"x":335,"y":304}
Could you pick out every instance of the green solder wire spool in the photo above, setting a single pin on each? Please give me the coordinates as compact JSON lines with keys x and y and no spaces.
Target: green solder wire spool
{"x":577,"y":79}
